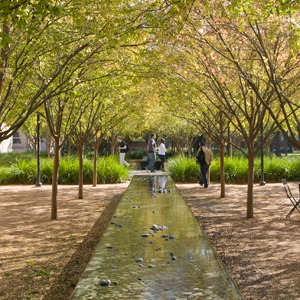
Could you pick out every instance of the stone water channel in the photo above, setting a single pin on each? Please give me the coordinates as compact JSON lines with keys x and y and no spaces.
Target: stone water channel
{"x":172,"y":260}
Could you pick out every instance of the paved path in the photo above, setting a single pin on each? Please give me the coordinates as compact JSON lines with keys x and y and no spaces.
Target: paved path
{"x":174,"y":261}
{"x":144,"y":172}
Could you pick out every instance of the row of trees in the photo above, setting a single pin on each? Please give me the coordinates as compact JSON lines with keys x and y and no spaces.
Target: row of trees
{"x":88,"y":66}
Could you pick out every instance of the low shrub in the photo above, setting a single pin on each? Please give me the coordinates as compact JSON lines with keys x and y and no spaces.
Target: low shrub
{"x":109,"y":170}
{"x":236,"y":169}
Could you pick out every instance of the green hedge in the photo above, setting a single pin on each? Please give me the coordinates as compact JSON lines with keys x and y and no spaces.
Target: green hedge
{"x":186,"y":169}
{"x":24,"y":171}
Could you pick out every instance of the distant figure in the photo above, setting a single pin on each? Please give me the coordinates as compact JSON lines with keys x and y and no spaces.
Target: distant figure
{"x":204,"y":158}
{"x":151,"y":149}
{"x":123,"y":148}
{"x":162,"y":154}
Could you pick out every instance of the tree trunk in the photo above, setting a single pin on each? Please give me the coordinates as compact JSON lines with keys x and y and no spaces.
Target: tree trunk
{"x":55,"y":178}
{"x":70,"y":148}
{"x":230,"y":147}
{"x":95,"y":164}
{"x":80,"y":156}
{"x":277,"y":143}
{"x":112,"y":142}
{"x":251,"y":156}
{"x":222,"y":148}
{"x":222,"y":170}
{"x":239,"y":145}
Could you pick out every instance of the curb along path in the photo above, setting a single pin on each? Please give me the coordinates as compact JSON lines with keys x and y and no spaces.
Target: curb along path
{"x":154,"y":248}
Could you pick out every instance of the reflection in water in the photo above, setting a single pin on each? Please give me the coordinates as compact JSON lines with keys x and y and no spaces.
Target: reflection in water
{"x":152,"y":185}
{"x":197,"y":272}
{"x":162,"y":182}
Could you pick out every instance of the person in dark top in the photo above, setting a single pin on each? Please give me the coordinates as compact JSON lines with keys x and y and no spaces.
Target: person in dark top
{"x":122,"y":148}
{"x":151,"y":149}
{"x":204,"y":159}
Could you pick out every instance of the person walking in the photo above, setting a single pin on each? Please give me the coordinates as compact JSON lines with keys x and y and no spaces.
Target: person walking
{"x":123,"y":148}
{"x":151,"y":149}
{"x":162,"y":154}
{"x":204,"y":158}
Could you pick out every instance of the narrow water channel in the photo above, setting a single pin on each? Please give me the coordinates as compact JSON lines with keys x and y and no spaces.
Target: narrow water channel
{"x":171,"y":261}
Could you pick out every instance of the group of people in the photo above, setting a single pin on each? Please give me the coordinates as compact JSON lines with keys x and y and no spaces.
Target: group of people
{"x":204,"y":156}
{"x":151,"y":149}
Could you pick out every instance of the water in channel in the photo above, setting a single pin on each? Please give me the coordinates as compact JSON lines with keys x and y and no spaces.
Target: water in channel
{"x":178,"y":261}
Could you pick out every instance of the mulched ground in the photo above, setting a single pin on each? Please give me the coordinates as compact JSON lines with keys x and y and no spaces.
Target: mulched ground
{"x":261,"y":254}
{"x":43,"y":259}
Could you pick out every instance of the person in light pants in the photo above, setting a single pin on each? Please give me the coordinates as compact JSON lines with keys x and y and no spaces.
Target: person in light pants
{"x":122,"y":148}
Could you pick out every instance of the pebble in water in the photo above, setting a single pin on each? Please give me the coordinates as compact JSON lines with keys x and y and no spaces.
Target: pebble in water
{"x":133,"y":206}
{"x":115,"y":282}
{"x":154,"y":212}
{"x":139,"y":260}
{"x":115,"y":216}
{"x":173,"y":257}
{"x":171,"y":253}
{"x":112,"y":223}
{"x":140,"y":278}
{"x":164,"y":236}
{"x":114,"y":267}
{"x":120,"y":225}
{"x":105,"y":282}
{"x":154,"y":227}
{"x":109,"y":247}
{"x":145,"y":234}
{"x":151,"y":266}
{"x":168,"y":262}
{"x":171,"y":237}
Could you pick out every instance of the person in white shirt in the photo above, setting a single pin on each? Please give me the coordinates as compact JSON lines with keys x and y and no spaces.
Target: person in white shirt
{"x":162,"y":153}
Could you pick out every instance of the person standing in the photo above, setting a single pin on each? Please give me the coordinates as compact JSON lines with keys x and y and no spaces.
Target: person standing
{"x":151,"y":149}
{"x":123,"y":147}
{"x":162,"y":153}
{"x":204,"y":158}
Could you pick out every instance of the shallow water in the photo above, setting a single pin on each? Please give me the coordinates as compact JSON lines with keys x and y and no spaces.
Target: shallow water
{"x":197,"y":272}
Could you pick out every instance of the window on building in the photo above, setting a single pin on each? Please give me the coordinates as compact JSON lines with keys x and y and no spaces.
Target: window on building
{"x":17,"y":138}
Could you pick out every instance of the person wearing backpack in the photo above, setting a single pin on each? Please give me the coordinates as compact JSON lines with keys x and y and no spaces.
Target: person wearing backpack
{"x":204,"y":158}
{"x":123,"y":148}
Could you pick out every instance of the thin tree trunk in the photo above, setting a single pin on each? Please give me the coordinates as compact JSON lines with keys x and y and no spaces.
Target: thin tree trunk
{"x":222,"y":170}
{"x":112,"y":142}
{"x":70,"y":148}
{"x":240,"y":144}
{"x":80,"y":156}
{"x":55,"y":179}
{"x":250,"y":181}
{"x":230,"y":147}
{"x":95,"y":164}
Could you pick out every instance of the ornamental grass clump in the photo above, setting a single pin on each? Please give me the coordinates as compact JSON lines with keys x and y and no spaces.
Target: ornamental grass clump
{"x":109,"y":170}
{"x":184,"y":169}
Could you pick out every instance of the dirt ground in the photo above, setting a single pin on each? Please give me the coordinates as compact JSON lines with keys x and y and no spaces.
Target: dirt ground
{"x":261,"y":254}
{"x":43,"y":259}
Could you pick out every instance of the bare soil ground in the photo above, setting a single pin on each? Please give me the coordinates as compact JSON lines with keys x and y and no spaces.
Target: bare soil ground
{"x":261,"y":254}
{"x":43,"y":259}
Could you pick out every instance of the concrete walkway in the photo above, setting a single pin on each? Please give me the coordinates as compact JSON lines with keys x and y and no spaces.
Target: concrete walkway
{"x":154,"y":249}
{"x":144,"y":172}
